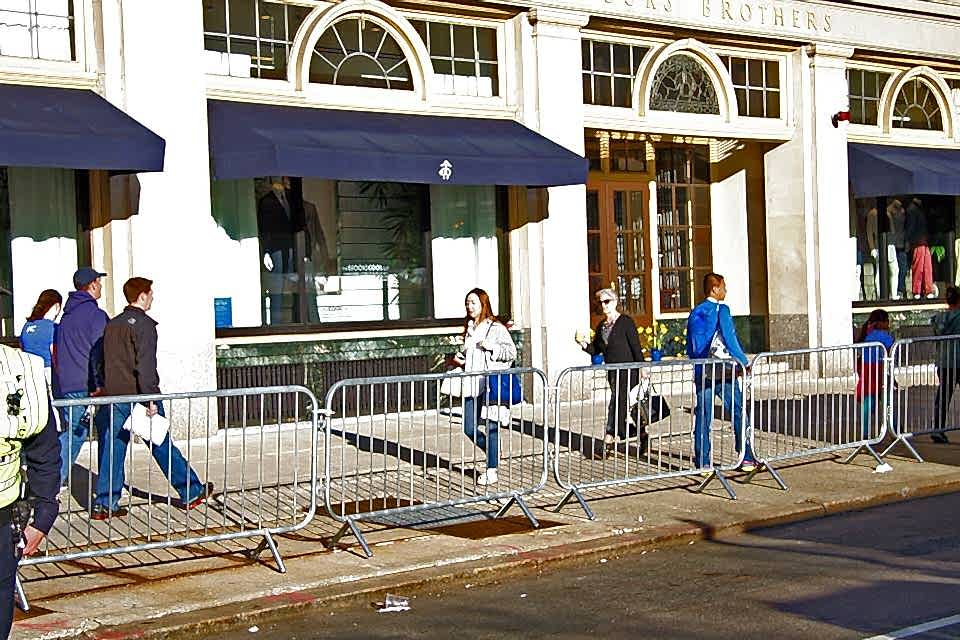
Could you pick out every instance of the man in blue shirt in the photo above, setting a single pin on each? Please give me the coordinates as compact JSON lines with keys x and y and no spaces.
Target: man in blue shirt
{"x":711,"y":334}
{"x":79,"y":350}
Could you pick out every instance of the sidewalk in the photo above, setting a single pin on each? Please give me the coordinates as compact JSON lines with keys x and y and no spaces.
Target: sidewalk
{"x":181,"y":593}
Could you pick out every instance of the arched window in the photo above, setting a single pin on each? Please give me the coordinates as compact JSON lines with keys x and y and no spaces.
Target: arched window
{"x":683,"y":85}
{"x":917,"y":107}
{"x":358,"y":51}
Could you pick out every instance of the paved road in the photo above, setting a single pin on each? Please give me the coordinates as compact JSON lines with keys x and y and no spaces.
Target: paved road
{"x":854,"y":575}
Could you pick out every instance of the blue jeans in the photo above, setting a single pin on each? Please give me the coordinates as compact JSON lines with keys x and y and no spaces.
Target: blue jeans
{"x":114,"y":439}
{"x":73,"y":433}
{"x":732,"y":399}
{"x":489,"y":441}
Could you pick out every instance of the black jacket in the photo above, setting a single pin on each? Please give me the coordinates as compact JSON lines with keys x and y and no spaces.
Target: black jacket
{"x":41,"y":455}
{"x":130,"y":354}
{"x":623,"y":344}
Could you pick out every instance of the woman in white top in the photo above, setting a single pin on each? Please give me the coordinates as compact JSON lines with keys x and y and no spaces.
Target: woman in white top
{"x":487,"y":346}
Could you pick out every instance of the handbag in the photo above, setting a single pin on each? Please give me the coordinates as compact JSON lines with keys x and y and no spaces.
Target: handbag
{"x":504,"y":389}
{"x":654,"y":406}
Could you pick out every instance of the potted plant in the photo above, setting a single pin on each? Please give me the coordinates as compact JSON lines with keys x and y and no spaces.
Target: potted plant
{"x":653,"y":337}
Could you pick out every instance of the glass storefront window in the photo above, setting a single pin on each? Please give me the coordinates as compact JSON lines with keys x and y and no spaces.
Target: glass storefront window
{"x":683,"y":224}
{"x":916,"y":107}
{"x":682,"y":85}
{"x":609,"y":70}
{"x":39,"y":29}
{"x":464,"y":58}
{"x":250,"y":38}
{"x":757,"y":86}
{"x":358,"y":51}
{"x":337,"y":251}
{"x":906,"y":247}
{"x":864,"y":89}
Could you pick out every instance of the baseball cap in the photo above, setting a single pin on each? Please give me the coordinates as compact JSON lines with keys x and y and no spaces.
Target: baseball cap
{"x":84,"y":276}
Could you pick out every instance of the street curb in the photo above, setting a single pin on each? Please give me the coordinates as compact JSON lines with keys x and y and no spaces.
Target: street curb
{"x":487,"y":571}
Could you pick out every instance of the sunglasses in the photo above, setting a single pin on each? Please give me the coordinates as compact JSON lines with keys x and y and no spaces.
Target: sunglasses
{"x":606,"y":300}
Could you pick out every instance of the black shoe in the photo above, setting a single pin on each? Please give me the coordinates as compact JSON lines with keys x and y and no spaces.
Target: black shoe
{"x":100,"y":512}
{"x":644,"y":441}
{"x":940,"y":438}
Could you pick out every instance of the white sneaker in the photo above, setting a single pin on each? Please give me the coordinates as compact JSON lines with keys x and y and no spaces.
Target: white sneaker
{"x":487,"y":477}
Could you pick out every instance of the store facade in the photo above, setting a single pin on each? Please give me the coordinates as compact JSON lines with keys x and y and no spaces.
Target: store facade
{"x":338,"y":174}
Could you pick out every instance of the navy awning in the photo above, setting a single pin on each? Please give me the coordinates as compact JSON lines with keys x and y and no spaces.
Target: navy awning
{"x":883,"y":170}
{"x":250,"y":140}
{"x":72,"y":129}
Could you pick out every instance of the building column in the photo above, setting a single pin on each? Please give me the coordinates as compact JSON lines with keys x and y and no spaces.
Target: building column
{"x":809,"y":250}
{"x":833,"y":250}
{"x":555,"y":302}
{"x":168,"y":238}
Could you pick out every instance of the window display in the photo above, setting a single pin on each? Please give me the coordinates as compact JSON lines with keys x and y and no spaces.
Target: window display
{"x":339,"y":251}
{"x":906,"y":246}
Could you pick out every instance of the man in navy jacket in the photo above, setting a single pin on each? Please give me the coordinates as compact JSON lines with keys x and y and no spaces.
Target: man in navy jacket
{"x":78,"y":352}
{"x":711,"y":334}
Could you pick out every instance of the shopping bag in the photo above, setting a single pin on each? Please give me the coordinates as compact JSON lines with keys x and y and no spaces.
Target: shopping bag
{"x":150,"y":428}
{"x":460,"y":386}
{"x":646,"y":406}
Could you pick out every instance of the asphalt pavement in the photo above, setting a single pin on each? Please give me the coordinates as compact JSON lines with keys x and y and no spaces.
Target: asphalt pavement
{"x":853,"y":575}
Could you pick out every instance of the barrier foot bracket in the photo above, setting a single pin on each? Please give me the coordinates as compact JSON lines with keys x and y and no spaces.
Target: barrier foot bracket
{"x":515,"y":499}
{"x":764,"y":466}
{"x":722,"y":479}
{"x":21,"y":596}
{"x":350,"y":525}
{"x":575,"y":493}
{"x":905,"y":441}
{"x":864,"y":447}
{"x":268,"y":541}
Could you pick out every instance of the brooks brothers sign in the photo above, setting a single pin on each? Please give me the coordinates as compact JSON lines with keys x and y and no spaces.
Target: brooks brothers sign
{"x":758,"y":14}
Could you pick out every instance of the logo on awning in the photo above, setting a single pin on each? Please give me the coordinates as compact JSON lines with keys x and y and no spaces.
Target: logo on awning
{"x":446,"y":170}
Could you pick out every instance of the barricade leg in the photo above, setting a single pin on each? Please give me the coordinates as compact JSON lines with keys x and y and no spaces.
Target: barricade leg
{"x":518,"y":500}
{"x":21,"y":596}
{"x":268,"y":541}
{"x":864,"y":447}
{"x":350,"y":525}
{"x":716,"y":473}
{"x":903,"y":439}
{"x":764,"y":466}
{"x":575,"y":493}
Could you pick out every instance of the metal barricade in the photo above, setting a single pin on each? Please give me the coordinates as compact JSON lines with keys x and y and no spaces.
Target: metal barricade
{"x":403,"y":446}
{"x":617,"y":424}
{"x":811,"y":402}
{"x":238,"y":473}
{"x":923,"y":375}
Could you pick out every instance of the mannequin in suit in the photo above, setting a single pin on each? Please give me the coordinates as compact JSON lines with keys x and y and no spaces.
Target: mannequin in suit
{"x":277,"y":226}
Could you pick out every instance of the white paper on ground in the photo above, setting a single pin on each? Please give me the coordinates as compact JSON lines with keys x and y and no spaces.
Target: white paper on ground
{"x":883,"y":468}
{"x":151,"y":428}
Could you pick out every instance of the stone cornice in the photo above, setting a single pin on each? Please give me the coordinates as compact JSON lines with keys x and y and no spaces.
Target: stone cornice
{"x":826,"y":50}
{"x":558,"y":17}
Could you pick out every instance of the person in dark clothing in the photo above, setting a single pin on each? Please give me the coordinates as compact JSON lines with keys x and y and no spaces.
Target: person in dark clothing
{"x":78,"y":348}
{"x":40,"y":456}
{"x":130,"y":368}
{"x":946,"y":323}
{"x":617,"y":339}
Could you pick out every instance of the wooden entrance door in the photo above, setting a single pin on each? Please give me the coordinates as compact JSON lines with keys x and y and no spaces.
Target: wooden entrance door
{"x":618,"y":246}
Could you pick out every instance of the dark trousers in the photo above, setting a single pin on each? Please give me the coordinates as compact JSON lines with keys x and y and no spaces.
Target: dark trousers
{"x":949,"y":378}
{"x":621,"y":381}
{"x":8,"y":576}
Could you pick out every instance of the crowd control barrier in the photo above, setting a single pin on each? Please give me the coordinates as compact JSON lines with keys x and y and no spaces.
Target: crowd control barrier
{"x":811,"y":402}
{"x":411,"y":446}
{"x":254,"y":453}
{"x":924,"y":372}
{"x":618,"y":424}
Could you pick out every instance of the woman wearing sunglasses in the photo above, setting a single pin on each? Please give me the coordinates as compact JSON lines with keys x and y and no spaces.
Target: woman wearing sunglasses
{"x":617,"y":339}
